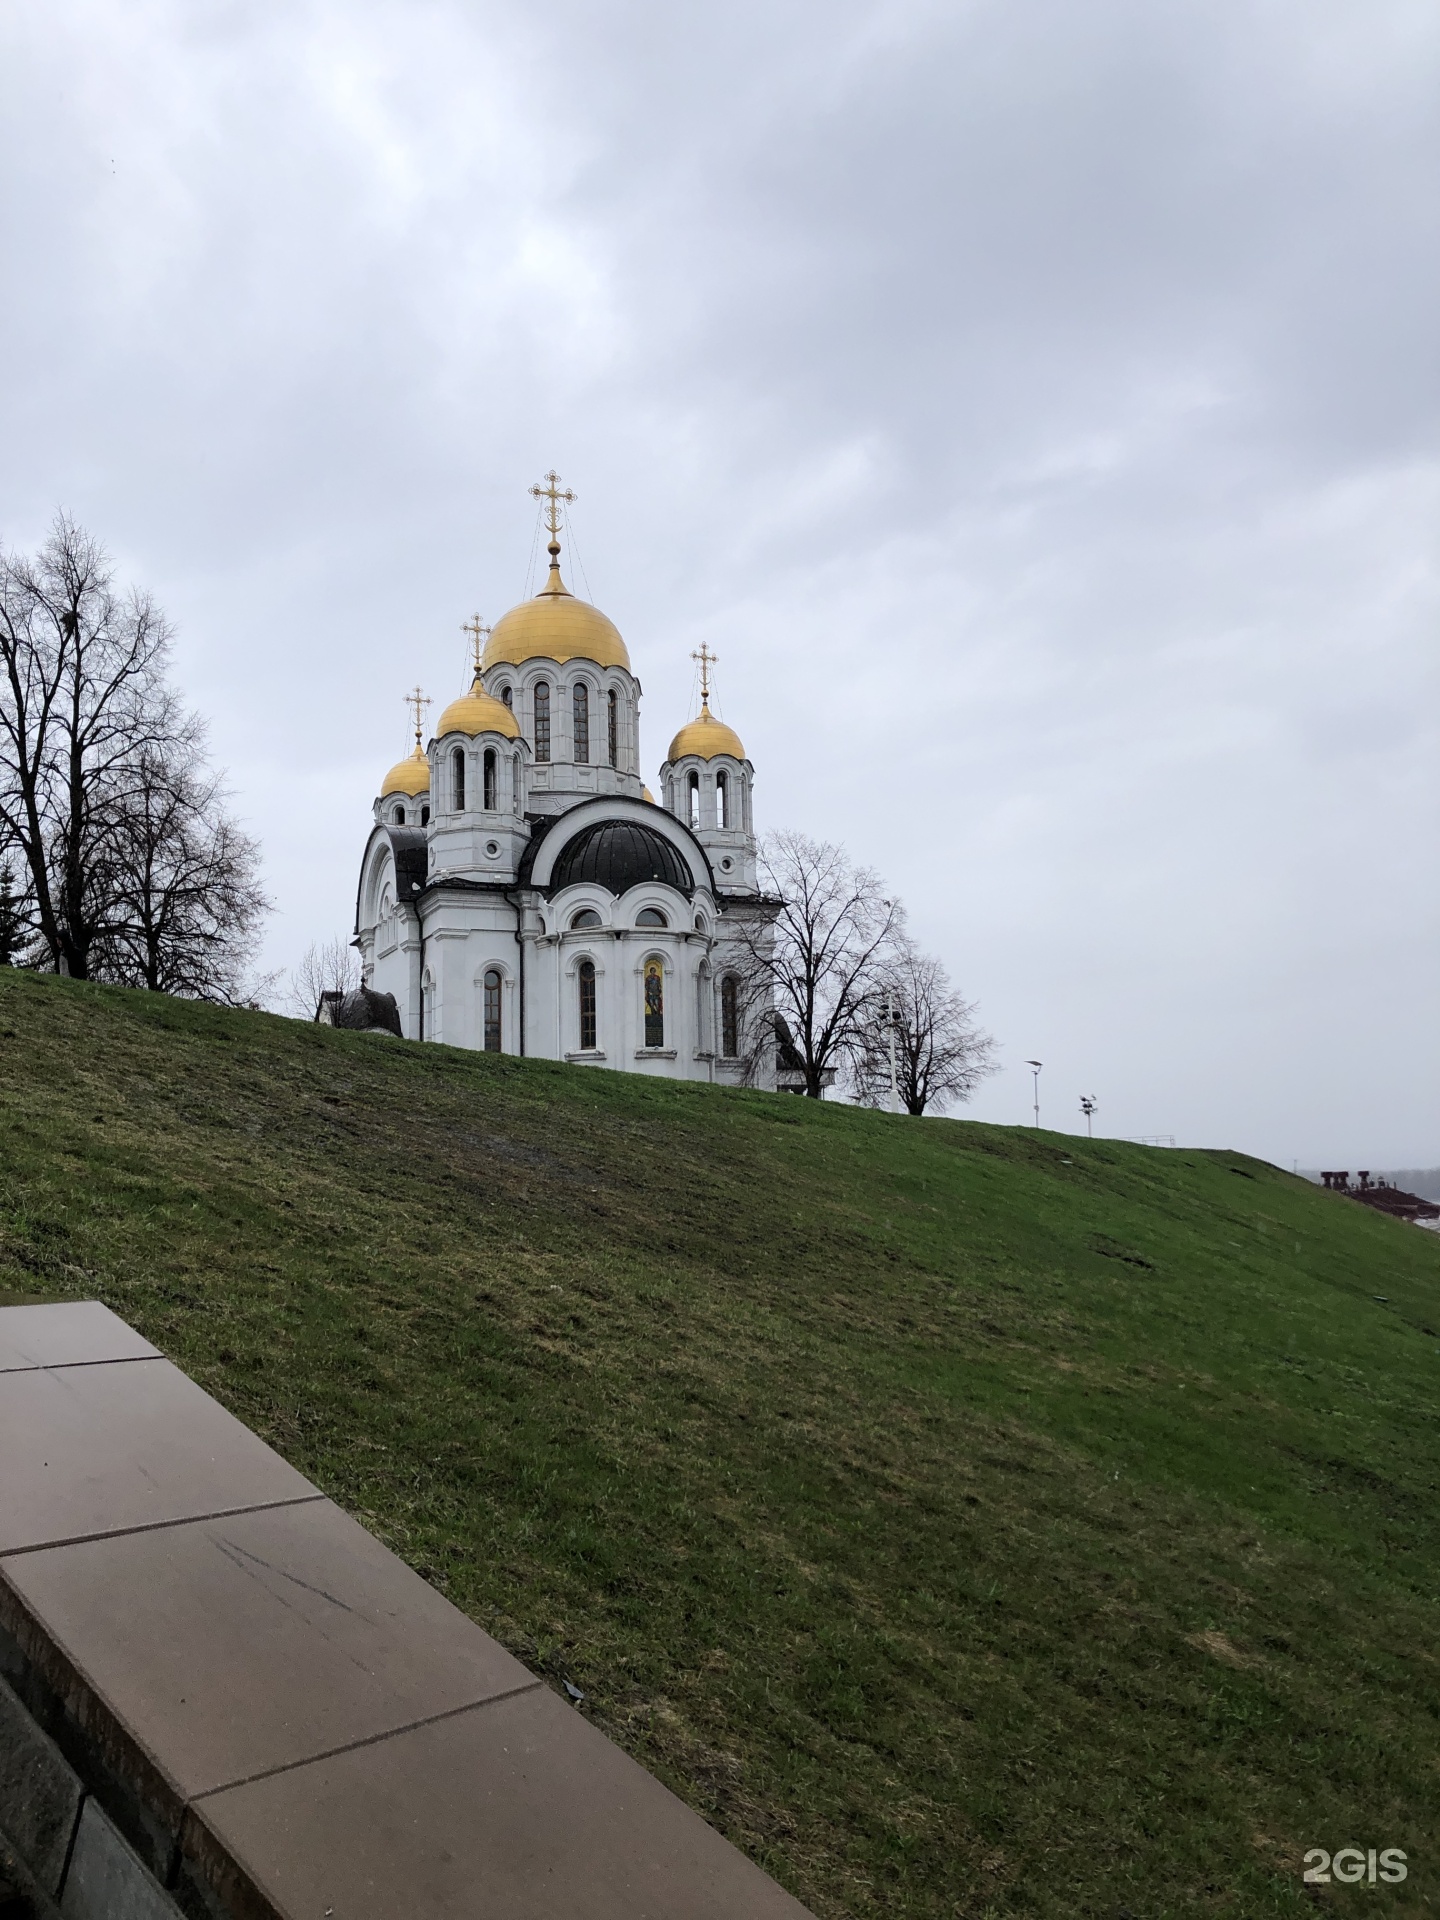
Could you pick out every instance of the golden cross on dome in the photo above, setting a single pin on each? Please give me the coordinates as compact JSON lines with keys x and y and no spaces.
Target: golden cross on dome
{"x":551,"y":491}
{"x":418,"y":701}
{"x":707,"y":660}
{"x":479,"y":633}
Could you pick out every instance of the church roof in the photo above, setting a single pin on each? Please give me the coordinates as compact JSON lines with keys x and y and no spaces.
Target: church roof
{"x":555,"y":626}
{"x":618,"y":855}
{"x":475,"y":712}
{"x":412,"y":859}
{"x":362,"y":1010}
{"x":705,"y":736}
{"x":409,"y":776}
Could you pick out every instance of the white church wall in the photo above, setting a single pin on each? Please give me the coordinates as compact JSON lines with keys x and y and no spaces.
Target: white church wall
{"x":732,"y":847}
{"x":465,"y":936}
{"x":561,"y":774}
{"x":465,"y":836}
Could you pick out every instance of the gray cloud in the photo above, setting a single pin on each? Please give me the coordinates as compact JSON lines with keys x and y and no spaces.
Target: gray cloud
{"x":1036,"y":406}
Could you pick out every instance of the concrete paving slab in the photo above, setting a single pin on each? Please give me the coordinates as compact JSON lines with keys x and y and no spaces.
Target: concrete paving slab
{"x":520,"y":1808}
{"x":74,"y":1334}
{"x":228,"y":1648}
{"x":101,"y":1449}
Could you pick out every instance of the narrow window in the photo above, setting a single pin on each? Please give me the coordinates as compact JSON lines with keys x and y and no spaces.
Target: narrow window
{"x":582,"y":722}
{"x":542,"y":719}
{"x":424,"y":816}
{"x":722,"y":800}
{"x":614,"y":724}
{"x":457,"y":764}
{"x":490,"y":779}
{"x":515,"y":781}
{"x":654,"y":1004}
{"x":399,"y":816}
{"x":587,"y":1006}
{"x":507,"y":696}
{"x":694,"y":785}
{"x":492,"y":1010}
{"x":729,"y":1016}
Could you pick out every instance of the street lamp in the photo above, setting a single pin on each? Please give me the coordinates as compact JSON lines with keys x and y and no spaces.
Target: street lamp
{"x":892,"y":1021}
{"x":1088,"y":1104}
{"x":1035,"y":1066}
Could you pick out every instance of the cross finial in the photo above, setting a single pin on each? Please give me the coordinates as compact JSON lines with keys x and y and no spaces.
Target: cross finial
{"x":418,"y":701}
{"x":479,"y":633}
{"x":707,"y":660}
{"x":554,"y":494}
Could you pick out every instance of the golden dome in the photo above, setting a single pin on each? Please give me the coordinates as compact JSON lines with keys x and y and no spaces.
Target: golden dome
{"x":475,"y":712}
{"x":646,"y":794}
{"x":555,"y":626}
{"x":705,"y":736}
{"x":410,"y":775}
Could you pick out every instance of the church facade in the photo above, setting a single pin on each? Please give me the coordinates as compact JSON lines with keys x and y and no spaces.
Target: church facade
{"x":522,"y":892}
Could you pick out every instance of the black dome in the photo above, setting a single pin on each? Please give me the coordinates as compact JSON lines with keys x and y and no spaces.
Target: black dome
{"x":618,"y":855}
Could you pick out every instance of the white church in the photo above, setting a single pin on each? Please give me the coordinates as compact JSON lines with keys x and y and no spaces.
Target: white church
{"x":522,"y":891}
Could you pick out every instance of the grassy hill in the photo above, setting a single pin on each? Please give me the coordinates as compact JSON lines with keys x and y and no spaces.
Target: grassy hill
{"x":969,"y":1521}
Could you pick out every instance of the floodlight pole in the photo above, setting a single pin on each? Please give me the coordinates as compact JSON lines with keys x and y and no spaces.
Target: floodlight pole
{"x":1035,"y":1066}
{"x":1088,"y":1104}
{"x":891,"y":1020}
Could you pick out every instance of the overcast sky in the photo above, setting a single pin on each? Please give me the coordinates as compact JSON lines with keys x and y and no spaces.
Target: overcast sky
{"x":1033,"y":403}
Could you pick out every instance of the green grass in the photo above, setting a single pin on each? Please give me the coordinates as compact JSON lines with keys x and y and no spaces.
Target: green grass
{"x":967,"y":1520}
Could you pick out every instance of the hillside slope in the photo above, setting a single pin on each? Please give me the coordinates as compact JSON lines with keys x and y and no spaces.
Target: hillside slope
{"x":969,"y":1521}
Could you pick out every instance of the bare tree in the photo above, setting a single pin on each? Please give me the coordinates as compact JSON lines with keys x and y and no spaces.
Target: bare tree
{"x":329,"y":966}
{"x":15,"y":921}
{"x":135,"y":872}
{"x":808,"y":974}
{"x":81,"y":696}
{"x":941,"y":1055}
{"x":186,"y":902}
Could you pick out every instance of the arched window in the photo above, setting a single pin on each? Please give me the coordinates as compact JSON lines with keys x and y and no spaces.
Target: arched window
{"x":730,"y":1016}
{"x":581,"y":708}
{"x":614,"y":726}
{"x":588,"y":1041}
{"x":399,"y":816}
{"x":586,"y":917}
{"x":457,"y":770}
{"x":651,"y":917}
{"x":654,"y":1004}
{"x":542,"y":719}
{"x":492,"y":1010}
{"x":694,"y":808}
{"x":490,"y":779}
{"x":507,"y":696}
{"x":722,"y":799}
{"x":515,"y":781}
{"x":424,"y":816}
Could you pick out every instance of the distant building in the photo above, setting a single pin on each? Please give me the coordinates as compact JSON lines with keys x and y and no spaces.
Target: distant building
{"x":521,"y":890}
{"x":1378,"y":1192}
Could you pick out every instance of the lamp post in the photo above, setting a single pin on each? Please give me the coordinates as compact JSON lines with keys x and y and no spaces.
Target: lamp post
{"x":1035,"y":1066}
{"x":892,"y":1020}
{"x":1088,"y":1104}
